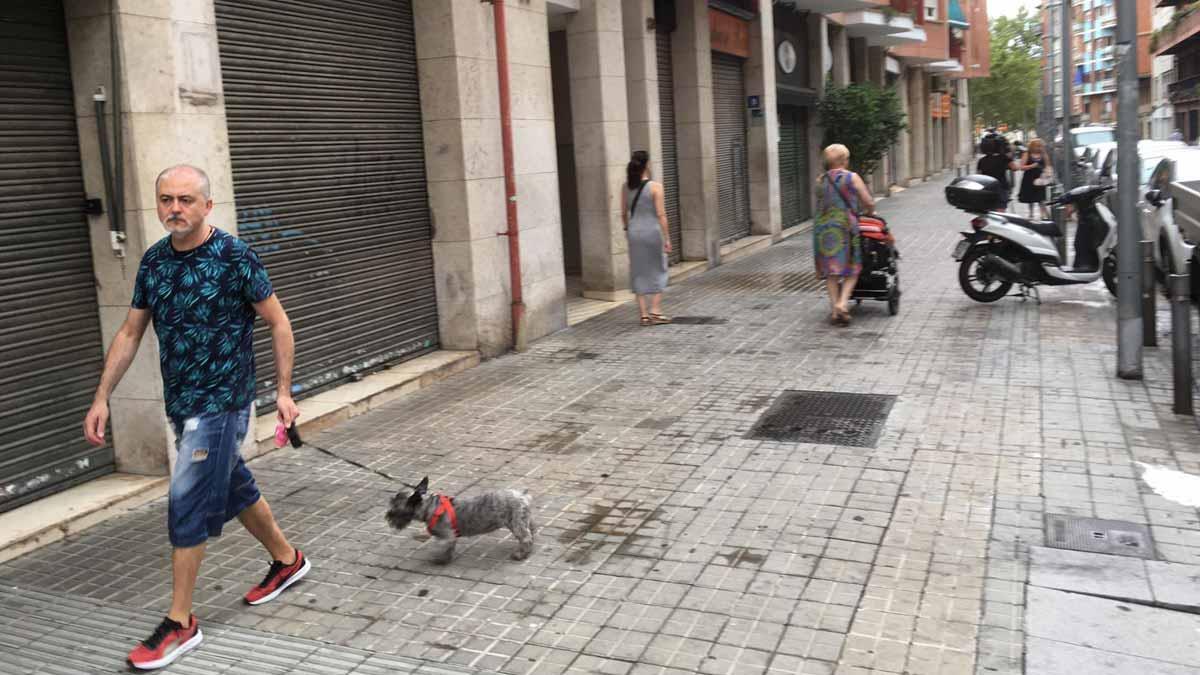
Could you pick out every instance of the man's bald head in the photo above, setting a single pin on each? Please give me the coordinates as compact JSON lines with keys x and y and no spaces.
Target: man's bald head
{"x":181,"y":170}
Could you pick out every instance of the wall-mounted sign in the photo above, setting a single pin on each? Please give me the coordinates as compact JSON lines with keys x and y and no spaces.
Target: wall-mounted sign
{"x":729,"y":34}
{"x":753,"y":102}
{"x":785,"y":54}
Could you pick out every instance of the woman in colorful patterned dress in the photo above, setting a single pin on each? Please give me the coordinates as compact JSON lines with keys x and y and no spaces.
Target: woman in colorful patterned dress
{"x":841,"y":194}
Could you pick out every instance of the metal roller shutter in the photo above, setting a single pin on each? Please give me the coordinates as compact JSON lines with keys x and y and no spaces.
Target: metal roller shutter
{"x":789,"y":177}
{"x":733,"y":186}
{"x":324,"y":122}
{"x":795,"y":187}
{"x":50,"y":344}
{"x":669,"y":163}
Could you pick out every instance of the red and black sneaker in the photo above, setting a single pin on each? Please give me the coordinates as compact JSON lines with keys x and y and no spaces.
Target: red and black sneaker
{"x":169,"y":641}
{"x":278,"y":578}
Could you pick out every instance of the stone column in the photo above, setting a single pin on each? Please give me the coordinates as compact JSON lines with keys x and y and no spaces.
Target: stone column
{"x":840,"y":44}
{"x":904,"y":145}
{"x":918,"y":119}
{"x":172,"y":112}
{"x":762,"y":145}
{"x":464,"y":168}
{"x":822,"y":63}
{"x":876,"y":73}
{"x":600,"y":114}
{"x":966,"y":141}
{"x":641,"y":78}
{"x":695,"y":132}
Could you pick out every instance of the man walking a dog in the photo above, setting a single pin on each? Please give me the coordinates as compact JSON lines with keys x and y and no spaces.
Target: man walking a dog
{"x":202,"y":288}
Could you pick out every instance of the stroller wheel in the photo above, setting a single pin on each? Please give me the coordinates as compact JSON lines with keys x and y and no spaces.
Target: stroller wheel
{"x":894,"y":302}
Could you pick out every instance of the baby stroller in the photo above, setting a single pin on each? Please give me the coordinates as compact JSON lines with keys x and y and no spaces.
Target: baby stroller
{"x":880,"y":278}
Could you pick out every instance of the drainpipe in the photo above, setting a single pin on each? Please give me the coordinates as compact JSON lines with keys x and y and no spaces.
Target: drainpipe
{"x":510,"y":180}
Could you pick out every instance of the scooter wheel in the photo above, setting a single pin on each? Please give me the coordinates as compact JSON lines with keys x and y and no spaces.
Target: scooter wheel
{"x":976,"y":282}
{"x":1109,"y":272}
{"x":894,"y":303}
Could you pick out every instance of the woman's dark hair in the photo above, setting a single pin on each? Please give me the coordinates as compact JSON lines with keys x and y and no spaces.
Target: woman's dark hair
{"x":637,"y":165}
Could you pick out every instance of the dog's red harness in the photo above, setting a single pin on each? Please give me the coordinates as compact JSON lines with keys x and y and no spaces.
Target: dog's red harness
{"x":445,"y":507}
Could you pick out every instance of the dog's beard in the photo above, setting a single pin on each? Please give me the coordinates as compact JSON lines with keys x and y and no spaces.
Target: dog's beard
{"x":399,"y":518}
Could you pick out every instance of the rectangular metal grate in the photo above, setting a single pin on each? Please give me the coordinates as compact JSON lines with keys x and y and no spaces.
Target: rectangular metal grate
{"x":825,"y":417}
{"x":1114,"y":537}
{"x":699,"y":320}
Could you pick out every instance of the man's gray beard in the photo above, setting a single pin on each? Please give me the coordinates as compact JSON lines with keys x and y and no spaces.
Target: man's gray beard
{"x":168,"y":227}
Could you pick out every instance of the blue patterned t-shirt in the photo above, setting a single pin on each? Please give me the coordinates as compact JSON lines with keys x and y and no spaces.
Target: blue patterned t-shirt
{"x":201,"y":303}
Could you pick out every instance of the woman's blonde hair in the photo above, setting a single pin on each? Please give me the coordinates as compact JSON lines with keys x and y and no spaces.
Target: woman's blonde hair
{"x":836,"y":154}
{"x":1036,"y":145}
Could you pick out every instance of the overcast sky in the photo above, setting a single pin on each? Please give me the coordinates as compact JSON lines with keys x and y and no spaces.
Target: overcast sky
{"x":1010,"y":7}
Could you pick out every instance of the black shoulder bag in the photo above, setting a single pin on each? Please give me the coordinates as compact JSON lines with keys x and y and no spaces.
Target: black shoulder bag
{"x":633,"y":204}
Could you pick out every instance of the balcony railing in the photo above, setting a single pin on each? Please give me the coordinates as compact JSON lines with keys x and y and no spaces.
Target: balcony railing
{"x":1187,"y":89}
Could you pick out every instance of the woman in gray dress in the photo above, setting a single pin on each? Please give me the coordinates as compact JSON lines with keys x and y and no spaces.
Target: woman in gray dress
{"x":645,"y":218}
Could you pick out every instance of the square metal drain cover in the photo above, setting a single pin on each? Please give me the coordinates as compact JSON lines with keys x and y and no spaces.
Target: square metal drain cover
{"x":825,"y":417}
{"x":1114,"y":537}
{"x":699,"y":320}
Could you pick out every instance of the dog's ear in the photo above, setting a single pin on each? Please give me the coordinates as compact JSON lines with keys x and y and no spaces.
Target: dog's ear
{"x":419,"y":492}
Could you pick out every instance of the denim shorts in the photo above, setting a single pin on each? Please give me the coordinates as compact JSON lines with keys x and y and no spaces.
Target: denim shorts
{"x":210,"y":484}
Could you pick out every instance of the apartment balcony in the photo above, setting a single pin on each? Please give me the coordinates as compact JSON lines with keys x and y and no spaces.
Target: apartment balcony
{"x":915,"y":36}
{"x":935,"y":46}
{"x":1185,"y":90}
{"x":875,"y":25}
{"x":1181,"y":38}
{"x":947,"y":67}
{"x":830,"y":6}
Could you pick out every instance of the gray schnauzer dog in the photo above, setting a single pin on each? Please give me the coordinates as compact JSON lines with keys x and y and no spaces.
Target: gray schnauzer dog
{"x":448,"y":518}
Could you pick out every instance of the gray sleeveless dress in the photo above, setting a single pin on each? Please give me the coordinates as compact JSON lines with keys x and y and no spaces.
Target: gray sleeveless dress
{"x":647,"y":260}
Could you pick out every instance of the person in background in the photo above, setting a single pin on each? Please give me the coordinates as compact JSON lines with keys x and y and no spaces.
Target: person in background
{"x":1032,"y":164}
{"x":837,"y":248}
{"x":645,"y":219}
{"x":996,"y":163}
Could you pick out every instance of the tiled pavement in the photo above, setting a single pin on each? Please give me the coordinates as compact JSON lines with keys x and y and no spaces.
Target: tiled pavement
{"x":672,"y":544}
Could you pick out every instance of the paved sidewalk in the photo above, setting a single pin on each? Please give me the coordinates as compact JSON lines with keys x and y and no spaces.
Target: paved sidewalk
{"x":670,"y":543}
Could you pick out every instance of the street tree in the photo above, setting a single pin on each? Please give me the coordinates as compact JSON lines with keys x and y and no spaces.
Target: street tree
{"x":866,"y":118}
{"x":1010,"y":94}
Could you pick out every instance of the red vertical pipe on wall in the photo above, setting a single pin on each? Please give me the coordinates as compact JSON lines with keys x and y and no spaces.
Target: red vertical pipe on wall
{"x":510,"y":179}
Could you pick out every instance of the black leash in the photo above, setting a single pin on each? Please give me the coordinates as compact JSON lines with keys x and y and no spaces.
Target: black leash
{"x":294,"y":436}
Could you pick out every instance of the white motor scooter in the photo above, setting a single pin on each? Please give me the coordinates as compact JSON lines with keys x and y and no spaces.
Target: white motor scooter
{"x":1002,"y":250}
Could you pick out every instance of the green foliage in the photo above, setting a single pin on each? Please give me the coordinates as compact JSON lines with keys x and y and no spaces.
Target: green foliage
{"x":1010,"y":95}
{"x":865,"y":118}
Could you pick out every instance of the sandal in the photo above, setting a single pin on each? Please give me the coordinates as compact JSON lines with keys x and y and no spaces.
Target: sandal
{"x":646,"y":321}
{"x":659,"y":319}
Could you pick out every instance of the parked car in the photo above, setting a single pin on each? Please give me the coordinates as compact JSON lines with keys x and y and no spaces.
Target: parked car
{"x":1097,"y":154}
{"x":1149,"y":153}
{"x":1082,"y":137}
{"x":1169,"y":210}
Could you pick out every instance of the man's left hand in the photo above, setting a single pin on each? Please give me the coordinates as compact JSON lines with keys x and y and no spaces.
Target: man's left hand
{"x":286,"y":410}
